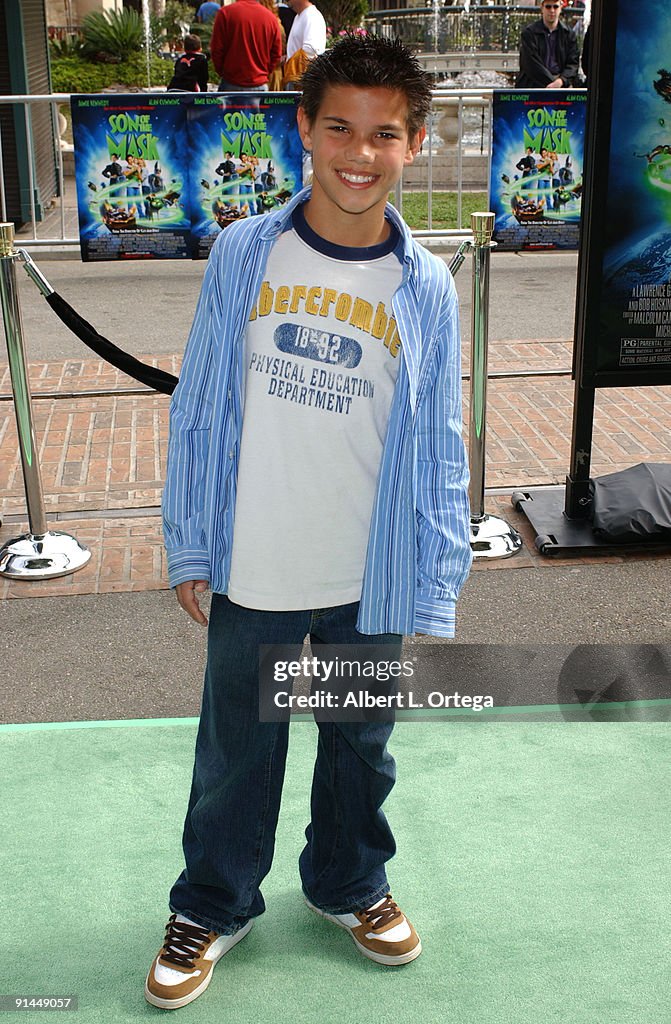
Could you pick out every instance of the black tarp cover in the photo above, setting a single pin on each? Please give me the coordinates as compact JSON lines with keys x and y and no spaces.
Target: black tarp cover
{"x":634,"y":504}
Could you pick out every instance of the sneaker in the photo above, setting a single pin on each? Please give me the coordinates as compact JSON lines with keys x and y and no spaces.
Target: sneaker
{"x":382,"y":932}
{"x":183,"y":967}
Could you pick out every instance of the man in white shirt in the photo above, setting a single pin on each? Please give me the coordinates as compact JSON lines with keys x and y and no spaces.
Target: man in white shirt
{"x":308,"y":31}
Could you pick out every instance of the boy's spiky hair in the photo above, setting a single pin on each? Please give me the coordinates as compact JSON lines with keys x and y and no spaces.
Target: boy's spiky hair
{"x":369,"y":60}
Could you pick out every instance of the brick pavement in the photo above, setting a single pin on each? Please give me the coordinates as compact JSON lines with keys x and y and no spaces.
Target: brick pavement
{"x":107,"y":453}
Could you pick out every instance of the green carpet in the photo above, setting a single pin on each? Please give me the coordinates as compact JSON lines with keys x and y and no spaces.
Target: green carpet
{"x":533,"y":860}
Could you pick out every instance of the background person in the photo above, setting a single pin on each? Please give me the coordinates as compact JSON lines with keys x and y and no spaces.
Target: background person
{"x":191,"y":69}
{"x":208,"y":11}
{"x":306,"y":40}
{"x":286,"y":16}
{"x":246,"y":46}
{"x":275,"y":80}
{"x":549,"y":56}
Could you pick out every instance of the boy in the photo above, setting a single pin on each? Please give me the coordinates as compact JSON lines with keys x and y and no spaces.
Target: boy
{"x":316,"y":480}
{"x":191,"y":69}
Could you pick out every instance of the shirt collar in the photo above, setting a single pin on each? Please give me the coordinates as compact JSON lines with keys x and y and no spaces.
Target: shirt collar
{"x":281,"y":221}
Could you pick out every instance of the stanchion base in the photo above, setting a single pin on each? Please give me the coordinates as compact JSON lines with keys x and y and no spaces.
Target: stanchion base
{"x":40,"y":558}
{"x":492,"y":537}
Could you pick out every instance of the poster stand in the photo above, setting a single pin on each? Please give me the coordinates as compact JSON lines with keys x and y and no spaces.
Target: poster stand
{"x":560,"y":517}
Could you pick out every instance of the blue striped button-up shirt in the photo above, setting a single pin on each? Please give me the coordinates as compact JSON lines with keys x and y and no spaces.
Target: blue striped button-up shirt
{"x":418,"y":553}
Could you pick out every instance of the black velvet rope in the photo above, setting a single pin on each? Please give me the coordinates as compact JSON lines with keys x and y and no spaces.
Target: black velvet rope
{"x":154,"y":378}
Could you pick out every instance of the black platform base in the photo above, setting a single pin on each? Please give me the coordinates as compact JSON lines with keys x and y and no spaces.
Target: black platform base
{"x":557,"y":535}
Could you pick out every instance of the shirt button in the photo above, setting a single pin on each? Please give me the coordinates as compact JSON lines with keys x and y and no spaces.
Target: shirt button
{"x":230,"y":393}
{"x":230,"y":455}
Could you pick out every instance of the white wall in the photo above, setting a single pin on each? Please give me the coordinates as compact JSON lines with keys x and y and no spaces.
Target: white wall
{"x":84,"y":7}
{"x":61,"y":13}
{"x":58,"y":10}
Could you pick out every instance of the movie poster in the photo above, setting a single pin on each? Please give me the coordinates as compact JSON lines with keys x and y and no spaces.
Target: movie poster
{"x":131,"y":168}
{"x":245,"y":157}
{"x":536,"y":180}
{"x":635,"y":304}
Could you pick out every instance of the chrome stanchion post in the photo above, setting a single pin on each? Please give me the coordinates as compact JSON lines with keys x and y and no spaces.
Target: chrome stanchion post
{"x":41,"y":553}
{"x":491,"y":537}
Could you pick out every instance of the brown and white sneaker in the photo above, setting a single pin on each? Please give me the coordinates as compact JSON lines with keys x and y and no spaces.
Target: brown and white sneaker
{"x":182,"y":970}
{"x":382,"y":932}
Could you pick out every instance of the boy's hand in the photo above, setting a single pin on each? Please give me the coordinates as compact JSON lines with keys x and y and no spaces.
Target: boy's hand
{"x":187,"y":595}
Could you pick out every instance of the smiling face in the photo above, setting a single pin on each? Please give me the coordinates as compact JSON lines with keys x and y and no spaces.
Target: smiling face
{"x":360,"y":145}
{"x":550,"y":13}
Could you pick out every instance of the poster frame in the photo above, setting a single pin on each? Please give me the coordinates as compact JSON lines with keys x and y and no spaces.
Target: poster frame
{"x":572,"y":226}
{"x":598,"y":172}
{"x":121,"y":203}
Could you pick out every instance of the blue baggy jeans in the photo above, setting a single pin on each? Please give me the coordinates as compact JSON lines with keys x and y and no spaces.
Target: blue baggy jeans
{"x":229,"y":832}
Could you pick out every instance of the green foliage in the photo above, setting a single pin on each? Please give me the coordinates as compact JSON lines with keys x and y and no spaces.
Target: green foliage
{"x":204,"y":32}
{"x":176,"y":16}
{"x":112,"y":35}
{"x":341,"y":14}
{"x":69,"y":46}
{"x":76,"y":74}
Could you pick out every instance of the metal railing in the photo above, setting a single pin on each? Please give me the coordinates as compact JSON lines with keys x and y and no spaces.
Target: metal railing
{"x":456,"y":164}
{"x":480,"y":28}
{"x":26,"y":103}
{"x":456,"y":104}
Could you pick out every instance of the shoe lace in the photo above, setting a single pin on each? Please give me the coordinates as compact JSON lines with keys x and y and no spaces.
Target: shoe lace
{"x":384,"y":913}
{"x":183,"y":942}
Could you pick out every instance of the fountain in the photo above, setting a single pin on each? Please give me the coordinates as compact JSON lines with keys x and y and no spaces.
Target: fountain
{"x":436,"y":7}
{"x":147,"y":38}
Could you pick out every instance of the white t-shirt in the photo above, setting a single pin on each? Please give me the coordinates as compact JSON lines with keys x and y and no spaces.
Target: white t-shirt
{"x":308,"y":32}
{"x":321,"y":359}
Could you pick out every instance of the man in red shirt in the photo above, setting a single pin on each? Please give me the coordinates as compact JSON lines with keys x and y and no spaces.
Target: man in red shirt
{"x":246,"y":46}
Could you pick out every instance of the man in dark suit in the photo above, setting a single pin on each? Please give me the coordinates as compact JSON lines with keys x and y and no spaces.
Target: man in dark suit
{"x":549,"y":57}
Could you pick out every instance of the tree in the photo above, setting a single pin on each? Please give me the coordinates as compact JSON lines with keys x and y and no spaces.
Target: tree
{"x":340,"y":14}
{"x":108,"y":35}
